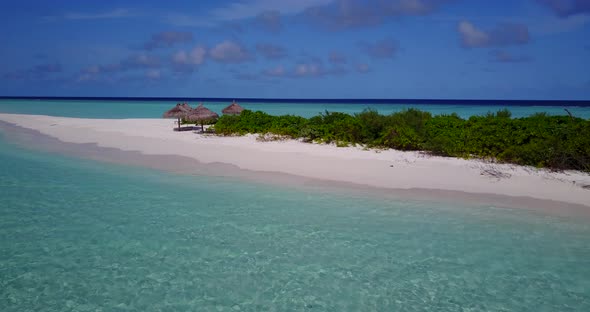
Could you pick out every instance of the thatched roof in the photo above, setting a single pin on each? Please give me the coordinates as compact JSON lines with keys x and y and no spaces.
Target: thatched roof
{"x":233,"y":109}
{"x":186,"y":106}
{"x":178,"y":111}
{"x":201,"y":113}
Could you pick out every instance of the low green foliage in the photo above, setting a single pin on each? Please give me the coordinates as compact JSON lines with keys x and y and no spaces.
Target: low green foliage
{"x":558,"y":142}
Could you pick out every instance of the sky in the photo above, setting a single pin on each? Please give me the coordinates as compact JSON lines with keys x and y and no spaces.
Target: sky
{"x":425,"y":49}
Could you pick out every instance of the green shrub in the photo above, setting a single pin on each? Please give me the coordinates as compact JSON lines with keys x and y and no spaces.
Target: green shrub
{"x":400,"y":137}
{"x":558,"y":142}
{"x":445,"y":135}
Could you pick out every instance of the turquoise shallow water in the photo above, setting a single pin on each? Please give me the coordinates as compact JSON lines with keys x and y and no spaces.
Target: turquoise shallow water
{"x":153,"y":109}
{"x":78,"y":235}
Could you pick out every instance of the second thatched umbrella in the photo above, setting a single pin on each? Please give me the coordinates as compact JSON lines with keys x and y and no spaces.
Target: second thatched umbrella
{"x":201,"y":114}
{"x":233,"y":109}
{"x":178,"y":111}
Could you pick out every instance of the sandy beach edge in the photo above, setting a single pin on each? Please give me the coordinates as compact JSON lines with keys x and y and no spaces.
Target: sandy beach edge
{"x":151,"y":143}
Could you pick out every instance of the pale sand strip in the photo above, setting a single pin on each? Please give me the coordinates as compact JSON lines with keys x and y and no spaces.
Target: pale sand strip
{"x":388,"y":169}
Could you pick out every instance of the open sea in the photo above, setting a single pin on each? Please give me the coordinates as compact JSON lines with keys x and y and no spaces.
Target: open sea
{"x":155,"y":107}
{"x":82,"y":235}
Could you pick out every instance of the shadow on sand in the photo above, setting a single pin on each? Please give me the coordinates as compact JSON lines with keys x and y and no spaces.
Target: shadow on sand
{"x":188,"y":128}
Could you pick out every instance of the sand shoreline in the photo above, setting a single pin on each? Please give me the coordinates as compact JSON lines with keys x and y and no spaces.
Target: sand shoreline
{"x":404,"y":172}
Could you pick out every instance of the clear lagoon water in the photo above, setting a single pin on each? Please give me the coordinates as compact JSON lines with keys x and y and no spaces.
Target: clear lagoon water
{"x":79,"y":235}
{"x":155,"y":109}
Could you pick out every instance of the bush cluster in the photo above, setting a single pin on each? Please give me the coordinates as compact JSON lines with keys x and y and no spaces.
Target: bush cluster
{"x":557,"y":142}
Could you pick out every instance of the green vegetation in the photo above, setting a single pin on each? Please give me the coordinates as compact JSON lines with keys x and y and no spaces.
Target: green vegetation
{"x":557,"y":142}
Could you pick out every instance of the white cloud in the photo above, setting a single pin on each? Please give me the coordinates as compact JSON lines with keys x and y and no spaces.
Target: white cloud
{"x":239,"y":10}
{"x":337,"y":58}
{"x":346,"y":14}
{"x":271,"y":51}
{"x":308,"y":70}
{"x":85,"y":77}
{"x":472,"y":36}
{"x":362,"y":68}
{"x":94,"y":69}
{"x":194,"y":57}
{"x":502,"y":35}
{"x":278,"y":71}
{"x":167,"y":39}
{"x":382,"y":49}
{"x":142,"y":60}
{"x":249,"y":9}
{"x":180,"y":57}
{"x":130,"y":63}
{"x":229,"y":52}
{"x":153,"y":74}
{"x":116,"y":13}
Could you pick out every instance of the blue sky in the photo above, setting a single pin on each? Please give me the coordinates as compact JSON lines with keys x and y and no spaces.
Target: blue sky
{"x":461,"y":49}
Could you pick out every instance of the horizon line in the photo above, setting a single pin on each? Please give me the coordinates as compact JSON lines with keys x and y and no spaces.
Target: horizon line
{"x":296,"y":100}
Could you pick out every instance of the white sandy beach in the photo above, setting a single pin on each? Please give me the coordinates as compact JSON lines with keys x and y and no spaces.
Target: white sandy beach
{"x":384,"y":169}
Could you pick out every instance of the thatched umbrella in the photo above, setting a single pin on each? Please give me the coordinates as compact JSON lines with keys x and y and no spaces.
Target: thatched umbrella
{"x":178,"y":111}
{"x":186,"y":106}
{"x":233,"y":109}
{"x":201,"y":114}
